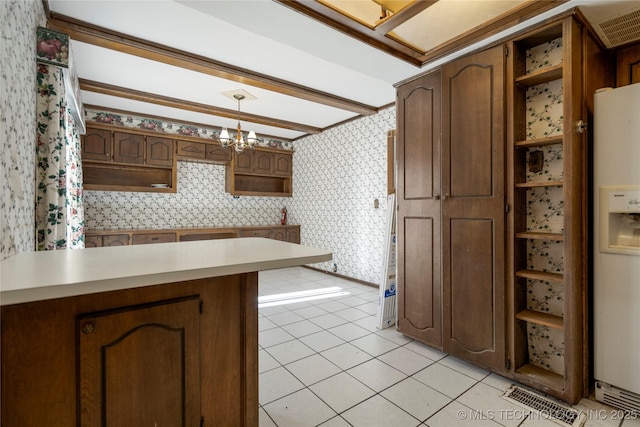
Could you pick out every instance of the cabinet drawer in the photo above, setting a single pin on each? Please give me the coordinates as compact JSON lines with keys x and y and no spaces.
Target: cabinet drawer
{"x":262,"y":232}
{"x":206,"y":236}
{"x":141,"y":239}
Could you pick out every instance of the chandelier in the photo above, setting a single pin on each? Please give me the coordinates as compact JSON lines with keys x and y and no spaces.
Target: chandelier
{"x":239,"y":143}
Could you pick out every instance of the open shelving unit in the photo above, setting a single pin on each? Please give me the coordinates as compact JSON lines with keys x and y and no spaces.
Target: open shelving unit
{"x":546,"y":284}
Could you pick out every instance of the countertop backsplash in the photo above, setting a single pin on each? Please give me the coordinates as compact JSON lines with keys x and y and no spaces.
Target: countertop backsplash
{"x":200,"y":201}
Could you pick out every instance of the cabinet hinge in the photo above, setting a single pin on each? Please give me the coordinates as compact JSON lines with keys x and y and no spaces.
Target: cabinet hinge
{"x":508,"y":364}
{"x":507,"y":208}
{"x":506,"y":51}
{"x":201,"y":421}
{"x":201,"y":306}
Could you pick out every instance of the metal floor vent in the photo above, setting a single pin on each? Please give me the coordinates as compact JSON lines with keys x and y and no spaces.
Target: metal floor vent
{"x":545,"y":408}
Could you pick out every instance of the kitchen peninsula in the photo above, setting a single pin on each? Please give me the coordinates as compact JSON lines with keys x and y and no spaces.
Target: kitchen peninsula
{"x":137,"y":334}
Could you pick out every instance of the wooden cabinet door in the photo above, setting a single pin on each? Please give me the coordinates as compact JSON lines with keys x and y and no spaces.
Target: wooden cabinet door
{"x":279,"y":234}
{"x":473,"y":208}
{"x":293,"y":235}
{"x":159,"y":151}
{"x":263,"y":162}
{"x":243,"y":162}
{"x":115,"y":240}
{"x":419,"y":216}
{"x":282,"y":164}
{"x":92,"y":241}
{"x":192,"y":150}
{"x":141,"y":365}
{"x":96,"y":145}
{"x":128,"y":148}
{"x":218,"y":154}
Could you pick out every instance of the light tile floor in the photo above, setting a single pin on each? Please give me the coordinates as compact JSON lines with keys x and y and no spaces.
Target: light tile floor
{"x":324,"y":362}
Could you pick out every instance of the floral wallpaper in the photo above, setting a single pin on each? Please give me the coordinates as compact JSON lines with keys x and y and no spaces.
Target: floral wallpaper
{"x":336,"y":177}
{"x":170,"y":127}
{"x":545,"y":208}
{"x":200,"y":201}
{"x":20,"y":20}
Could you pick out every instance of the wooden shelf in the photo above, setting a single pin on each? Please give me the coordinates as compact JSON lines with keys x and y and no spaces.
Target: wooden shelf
{"x":536,"y":235}
{"x":540,"y":318}
{"x":540,"y":275}
{"x":537,"y":77}
{"x":542,"y":376}
{"x":532,"y":184}
{"x":118,"y":177}
{"x":540,"y":142}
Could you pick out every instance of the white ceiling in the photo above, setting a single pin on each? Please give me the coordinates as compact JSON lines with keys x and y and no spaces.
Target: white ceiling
{"x":260,"y":35}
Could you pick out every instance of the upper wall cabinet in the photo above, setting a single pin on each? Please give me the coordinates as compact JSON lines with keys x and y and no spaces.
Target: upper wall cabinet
{"x":206,"y":152}
{"x":127,"y":160}
{"x":260,"y":172}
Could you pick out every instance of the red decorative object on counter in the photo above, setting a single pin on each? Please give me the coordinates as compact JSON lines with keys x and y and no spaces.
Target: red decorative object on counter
{"x":283,"y":216}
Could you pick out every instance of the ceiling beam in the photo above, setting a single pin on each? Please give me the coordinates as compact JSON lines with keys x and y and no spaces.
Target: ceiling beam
{"x":403,"y":15}
{"x":99,"y":36}
{"x":334,"y":19}
{"x":136,"y":95}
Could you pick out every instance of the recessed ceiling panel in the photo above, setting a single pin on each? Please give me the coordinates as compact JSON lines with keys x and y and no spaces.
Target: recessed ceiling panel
{"x":448,"y":19}
{"x":368,"y":12}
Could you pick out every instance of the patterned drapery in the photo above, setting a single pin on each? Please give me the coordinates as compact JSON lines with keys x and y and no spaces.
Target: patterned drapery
{"x":59,"y":208}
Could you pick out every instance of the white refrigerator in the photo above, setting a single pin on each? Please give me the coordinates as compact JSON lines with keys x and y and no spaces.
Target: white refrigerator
{"x":616,"y":244}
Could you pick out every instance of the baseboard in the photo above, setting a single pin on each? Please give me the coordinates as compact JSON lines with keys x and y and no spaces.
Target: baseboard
{"x":351,"y":279}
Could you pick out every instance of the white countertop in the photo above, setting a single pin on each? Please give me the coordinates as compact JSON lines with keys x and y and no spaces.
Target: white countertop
{"x":35,"y":276}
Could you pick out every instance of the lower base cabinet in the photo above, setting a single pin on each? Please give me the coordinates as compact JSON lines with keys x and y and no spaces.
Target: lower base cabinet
{"x":178,"y":354}
{"x":96,"y":238}
{"x":128,"y":369}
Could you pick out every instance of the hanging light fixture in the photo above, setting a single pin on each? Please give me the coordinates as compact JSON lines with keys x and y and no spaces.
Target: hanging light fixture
{"x":238,"y":143}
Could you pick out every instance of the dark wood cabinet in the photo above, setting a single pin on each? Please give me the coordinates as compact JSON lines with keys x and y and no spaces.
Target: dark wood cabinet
{"x":628,"y":65}
{"x":419,"y":209}
{"x":508,"y":192}
{"x":175,"y":354}
{"x":148,"y":353}
{"x":96,"y":145}
{"x":243,"y":162}
{"x":260,"y":172}
{"x":451,"y":208}
{"x":283,"y":164}
{"x":159,"y":151}
{"x":263,"y":162}
{"x":128,"y":148}
{"x":97,"y":238}
{"x":96,"y":241}
{"x":255,"y":232}
{"x":218,"y":154}
{"x":473,"y":207}
{"x":289,"y":234}
{"x":139,"y":161}
{"x":146,"y":238}
{"x":203,"y":152}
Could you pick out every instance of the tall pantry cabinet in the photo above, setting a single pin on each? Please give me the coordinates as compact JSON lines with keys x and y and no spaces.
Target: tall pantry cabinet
{"x":492,"y":194}
{"x":450,"y":208}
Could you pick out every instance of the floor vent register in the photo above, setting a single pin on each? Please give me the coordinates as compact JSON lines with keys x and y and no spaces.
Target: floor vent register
{"x":544,"y":408}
